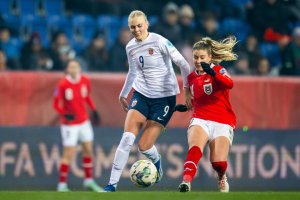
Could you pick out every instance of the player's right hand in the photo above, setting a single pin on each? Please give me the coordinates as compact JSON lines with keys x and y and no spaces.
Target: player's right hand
{"x":69,"y":117}
{"x":124,"y":103}
{"x":188,"y":98}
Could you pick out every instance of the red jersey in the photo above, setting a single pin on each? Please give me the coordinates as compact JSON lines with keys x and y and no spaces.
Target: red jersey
{"x":70,"y":97}
{"x":211,"y":96}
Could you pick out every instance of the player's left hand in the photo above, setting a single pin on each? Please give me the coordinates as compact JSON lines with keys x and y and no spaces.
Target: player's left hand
{"x":95,"y":118}
{"x":124,"y":103}
{"x":206,"y":67}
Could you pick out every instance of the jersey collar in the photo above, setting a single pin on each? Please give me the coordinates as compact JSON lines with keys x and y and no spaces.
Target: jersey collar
{"x":70,"y":79}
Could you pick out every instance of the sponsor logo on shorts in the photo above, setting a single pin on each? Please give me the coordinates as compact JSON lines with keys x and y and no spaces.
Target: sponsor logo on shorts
{"x":160,"y":119}
{"x":134,"y":102}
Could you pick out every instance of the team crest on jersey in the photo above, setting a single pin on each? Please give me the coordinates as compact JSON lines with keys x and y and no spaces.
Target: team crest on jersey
{"x":223,"y":71}
{"x":134,"y":102}
{"x":207,"y":88}
{"x":150,"y":51}
{"x":169,"y":44}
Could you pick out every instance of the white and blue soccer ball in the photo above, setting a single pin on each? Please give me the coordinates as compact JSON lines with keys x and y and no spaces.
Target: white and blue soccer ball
{"x":143,"y":173}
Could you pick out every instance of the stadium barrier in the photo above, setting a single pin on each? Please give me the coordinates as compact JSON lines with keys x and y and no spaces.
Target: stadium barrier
{"x":259,"y":160}
{"x":259,"y":102}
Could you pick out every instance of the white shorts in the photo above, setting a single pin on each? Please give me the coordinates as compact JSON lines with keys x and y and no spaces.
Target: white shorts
{"x":214,"y":129}
{"x":72,"y":134}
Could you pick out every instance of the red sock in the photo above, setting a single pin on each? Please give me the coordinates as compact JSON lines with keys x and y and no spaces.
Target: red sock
{"x":63,"y":172}
{"x":191,"y":163}
{"x":220,"y":167}
{"x":87,"y":162}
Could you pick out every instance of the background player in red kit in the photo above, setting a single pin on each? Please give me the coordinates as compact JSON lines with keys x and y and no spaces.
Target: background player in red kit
{"x":213,"y":118}
{"x":71,"y":95}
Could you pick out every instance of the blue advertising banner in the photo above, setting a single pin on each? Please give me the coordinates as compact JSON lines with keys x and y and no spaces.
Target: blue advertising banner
{"x":259,"y":160}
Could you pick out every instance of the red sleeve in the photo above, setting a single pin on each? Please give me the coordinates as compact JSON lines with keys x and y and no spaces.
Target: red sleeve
{"x":88,"y":99}
{"x":223,"y":77}
{"x":58,"y":94}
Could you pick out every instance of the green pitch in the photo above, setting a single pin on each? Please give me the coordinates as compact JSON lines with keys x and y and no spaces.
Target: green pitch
{"x":16,"y":195}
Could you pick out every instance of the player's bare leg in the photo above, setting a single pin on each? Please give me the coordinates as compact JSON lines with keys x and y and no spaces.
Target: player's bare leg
{"x":87,"y":162}
{"x":219,"y":150}
{"x":68,"y":153}
{"x":151,"y":132}
{"x":197,"y":139}
{"x":133,"y":123}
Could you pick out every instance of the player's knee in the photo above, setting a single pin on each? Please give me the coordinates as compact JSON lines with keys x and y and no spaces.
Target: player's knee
{"x":127,"y":141}
{"x":87,"y":152}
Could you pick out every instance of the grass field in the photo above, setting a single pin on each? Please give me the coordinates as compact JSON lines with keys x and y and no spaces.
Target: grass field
{"x":16,"y":195}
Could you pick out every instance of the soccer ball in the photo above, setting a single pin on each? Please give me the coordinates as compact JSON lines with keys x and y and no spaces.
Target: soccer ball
{"x":143,"y":173}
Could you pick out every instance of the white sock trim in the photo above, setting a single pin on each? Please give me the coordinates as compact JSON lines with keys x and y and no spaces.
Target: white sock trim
{"x":151,"y":154}
{"x":191,"y":163}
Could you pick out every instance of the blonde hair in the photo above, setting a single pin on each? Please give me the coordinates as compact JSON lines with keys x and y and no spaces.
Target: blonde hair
{"x":137,"y":13}
{"x":220,"y":51}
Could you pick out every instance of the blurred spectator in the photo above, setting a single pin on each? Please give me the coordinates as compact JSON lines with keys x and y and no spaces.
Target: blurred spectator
{"x":241,"y":66}
{"x":269,"y":19}
{"x":10,"y":48}
{"x":291,"y":55}
{"x":186,"y":50}
{"x":263,"y":67}
{"x":3,"y":66}
{"x":209,"y":27}
{"x":251,"y":48}
{"x":96,"y":54}
{"x":168,"y":27}
{"x":186,"y":17}
{"x":118,"y":58}
{"x":294,"y":9}
{"x":34,"y":56}
{"x":60,"y":51}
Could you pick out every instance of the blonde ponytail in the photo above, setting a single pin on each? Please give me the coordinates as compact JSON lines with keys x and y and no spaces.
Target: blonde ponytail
{"x":220,"y":51}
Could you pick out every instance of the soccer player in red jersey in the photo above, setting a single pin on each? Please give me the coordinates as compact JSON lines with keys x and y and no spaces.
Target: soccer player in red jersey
{"x":213,"y":119}
{"x":71,"y":95}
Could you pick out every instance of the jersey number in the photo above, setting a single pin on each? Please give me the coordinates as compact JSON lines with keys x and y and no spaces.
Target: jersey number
{"x":141,"y":59}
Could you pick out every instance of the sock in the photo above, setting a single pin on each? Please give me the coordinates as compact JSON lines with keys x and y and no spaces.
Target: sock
{"x":220,"y":167}
{"x":151,"y":154}
{"x":87,"y":163}
{"x":121,"y":157}
{"x":63,"y":172}
{"x":191,"y":163}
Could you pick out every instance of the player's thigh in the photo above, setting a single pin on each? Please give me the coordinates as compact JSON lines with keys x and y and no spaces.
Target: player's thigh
{"x":161,"y":109}
{"x":150,"y":134}
{"x":197,"y":136}
{"x":222,"y":136}
{"x":86,"y":133}
{"x":70,"y":135}
{"x":137,"y":114}
{"x":86,"y":137}
{"x":68,"y":153}
{"x":134,"y":121}
{"x":219,"y":149}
